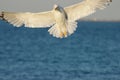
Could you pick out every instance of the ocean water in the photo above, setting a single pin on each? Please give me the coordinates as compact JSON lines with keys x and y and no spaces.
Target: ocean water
{"x":91,"y":53}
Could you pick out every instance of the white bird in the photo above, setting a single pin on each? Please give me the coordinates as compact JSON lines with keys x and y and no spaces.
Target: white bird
{"x":63,"y":21}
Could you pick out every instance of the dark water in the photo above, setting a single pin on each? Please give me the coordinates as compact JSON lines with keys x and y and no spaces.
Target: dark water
{"x":91,"y":53}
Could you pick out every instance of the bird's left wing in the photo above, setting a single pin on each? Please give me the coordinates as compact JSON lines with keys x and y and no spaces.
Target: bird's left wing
{"x":34,"y":20}
{"x":85,"y":8}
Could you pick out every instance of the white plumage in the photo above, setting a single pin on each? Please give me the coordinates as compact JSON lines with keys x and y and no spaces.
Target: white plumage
{"x":62,"y":20}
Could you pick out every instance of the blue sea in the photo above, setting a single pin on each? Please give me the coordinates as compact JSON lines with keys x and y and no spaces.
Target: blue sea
{"x":91,"y":53}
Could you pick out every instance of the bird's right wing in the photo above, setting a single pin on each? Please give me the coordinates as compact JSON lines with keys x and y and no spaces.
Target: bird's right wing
{"x":34,"y":20}
{"x":85,"y":8}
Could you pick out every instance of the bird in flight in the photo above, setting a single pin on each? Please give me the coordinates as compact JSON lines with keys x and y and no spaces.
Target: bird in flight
{"x":62,"y":21}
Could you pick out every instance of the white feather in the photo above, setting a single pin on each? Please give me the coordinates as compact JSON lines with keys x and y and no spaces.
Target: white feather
{"x":57,"y":30}
{"x":85,"y":8}
{"x":63,"y":19}
{"x":34,"y":20}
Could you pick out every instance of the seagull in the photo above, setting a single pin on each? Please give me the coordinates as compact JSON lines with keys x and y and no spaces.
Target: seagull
{"x":62,"y":21}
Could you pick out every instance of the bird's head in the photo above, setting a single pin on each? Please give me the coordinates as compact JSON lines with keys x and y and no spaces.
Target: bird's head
{"x":57,"y":7}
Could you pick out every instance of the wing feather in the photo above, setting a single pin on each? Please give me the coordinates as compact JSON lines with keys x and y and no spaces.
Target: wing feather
{"x":85,"y":8}
{"x":34,"y":20}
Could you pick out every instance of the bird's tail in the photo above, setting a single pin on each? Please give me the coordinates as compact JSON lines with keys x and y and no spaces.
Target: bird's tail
{"x":63,"y":31}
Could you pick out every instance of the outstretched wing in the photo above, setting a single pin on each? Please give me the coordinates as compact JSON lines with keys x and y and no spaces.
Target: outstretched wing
{"x":85,"y":8}
{"x":34,"y":20}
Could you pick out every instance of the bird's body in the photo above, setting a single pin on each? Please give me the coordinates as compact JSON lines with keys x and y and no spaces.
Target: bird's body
{"x":62,"y":20}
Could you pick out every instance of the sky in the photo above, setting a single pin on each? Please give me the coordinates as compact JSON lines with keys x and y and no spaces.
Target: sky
{"x":112,"y":12}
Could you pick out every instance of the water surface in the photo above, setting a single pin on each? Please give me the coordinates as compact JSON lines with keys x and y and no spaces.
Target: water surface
{"x":91,"y":53}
